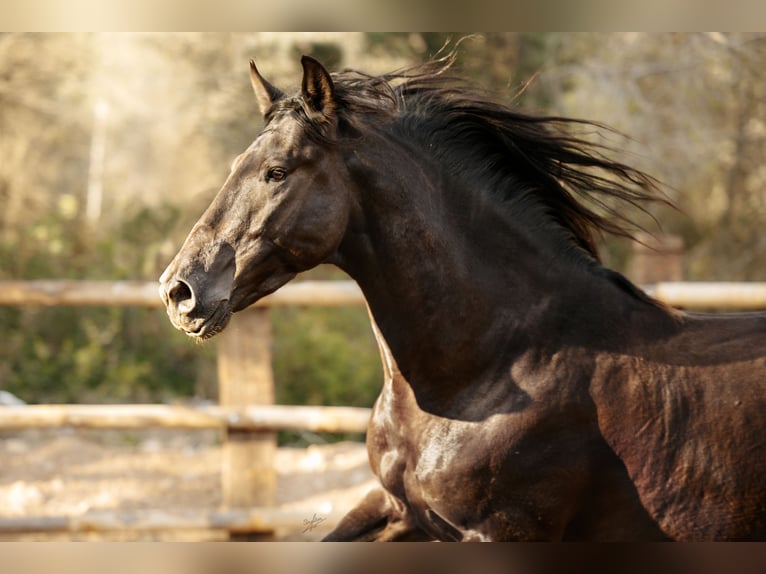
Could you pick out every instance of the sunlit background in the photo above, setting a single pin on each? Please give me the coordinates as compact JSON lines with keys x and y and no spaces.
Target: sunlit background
{"x":113,"y":144}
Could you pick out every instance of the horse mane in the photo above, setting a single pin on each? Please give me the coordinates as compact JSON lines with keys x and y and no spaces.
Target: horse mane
{"x":541,"y":165}
{"x":535,"y":159}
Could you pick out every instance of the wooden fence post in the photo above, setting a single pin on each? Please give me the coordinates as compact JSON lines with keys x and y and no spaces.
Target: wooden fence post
{"x":655,"y":259}
{"x":245,"y":378}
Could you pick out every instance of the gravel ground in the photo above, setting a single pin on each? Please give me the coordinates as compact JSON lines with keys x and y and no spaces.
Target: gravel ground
{"x":69,"y":473}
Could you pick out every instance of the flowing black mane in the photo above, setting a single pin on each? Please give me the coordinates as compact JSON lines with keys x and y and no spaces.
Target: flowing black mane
{"x":537,"y":160}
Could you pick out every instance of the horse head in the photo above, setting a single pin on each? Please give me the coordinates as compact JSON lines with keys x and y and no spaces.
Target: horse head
{"x":283,"y":209}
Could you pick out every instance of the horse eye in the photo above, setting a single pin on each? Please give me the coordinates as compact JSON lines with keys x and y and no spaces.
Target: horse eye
{"x":276,"y":174}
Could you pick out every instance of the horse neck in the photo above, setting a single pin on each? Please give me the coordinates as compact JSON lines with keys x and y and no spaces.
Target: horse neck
{"x":446,"y":273}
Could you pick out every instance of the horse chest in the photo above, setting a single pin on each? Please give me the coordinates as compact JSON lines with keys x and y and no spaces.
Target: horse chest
{"x":434,"y":468}
{"x":509,"y":475}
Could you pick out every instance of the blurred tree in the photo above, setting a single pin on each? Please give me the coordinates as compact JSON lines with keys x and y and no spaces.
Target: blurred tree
{"x":693,"y":108}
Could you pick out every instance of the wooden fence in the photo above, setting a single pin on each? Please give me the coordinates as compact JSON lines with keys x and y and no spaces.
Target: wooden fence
{"x":246,"y":412}
{"x":719,"y":295}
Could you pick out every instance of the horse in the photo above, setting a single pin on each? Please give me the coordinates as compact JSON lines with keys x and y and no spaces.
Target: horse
{"x":529,"y":392}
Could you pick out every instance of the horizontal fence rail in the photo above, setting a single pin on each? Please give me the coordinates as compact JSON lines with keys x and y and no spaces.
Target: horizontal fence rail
{"x":722,"y":295}
{"x":257,"y":418}
{"x":249,"y":520}
{"x":75,"y":293}
{"x":711,"y":295}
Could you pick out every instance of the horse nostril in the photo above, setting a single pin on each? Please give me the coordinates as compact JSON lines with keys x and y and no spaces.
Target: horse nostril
{"x":181,"y":295}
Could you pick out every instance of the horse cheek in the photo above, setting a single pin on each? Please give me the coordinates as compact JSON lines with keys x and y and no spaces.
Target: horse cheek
{"x":319,"y":227}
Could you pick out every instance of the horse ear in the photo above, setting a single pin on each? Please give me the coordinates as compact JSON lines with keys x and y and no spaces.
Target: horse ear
{"x":317,"y":87}
{"x":265,"y":93}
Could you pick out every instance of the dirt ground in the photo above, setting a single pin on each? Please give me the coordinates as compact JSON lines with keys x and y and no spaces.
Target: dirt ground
{"x":65,"y":473}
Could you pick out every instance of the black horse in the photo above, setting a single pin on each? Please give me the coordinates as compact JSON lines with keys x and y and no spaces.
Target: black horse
{"x":530,"y":393}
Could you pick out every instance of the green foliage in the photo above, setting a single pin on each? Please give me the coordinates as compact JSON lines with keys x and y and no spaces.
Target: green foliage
{"x":99,"y":355}
{"x":325,"y":356}
{"x":93,"y":354}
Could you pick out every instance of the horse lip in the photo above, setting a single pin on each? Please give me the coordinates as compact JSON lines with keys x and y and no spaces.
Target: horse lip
{"x":208,"y":330}
{"x":208,"y":327}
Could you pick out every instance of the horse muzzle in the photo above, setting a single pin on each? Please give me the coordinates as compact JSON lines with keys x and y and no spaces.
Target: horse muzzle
{"x":197,"y":292}
{"x":190,"y":314}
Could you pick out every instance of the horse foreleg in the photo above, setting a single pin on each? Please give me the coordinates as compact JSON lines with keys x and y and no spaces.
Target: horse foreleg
{"x":376,"y":518}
